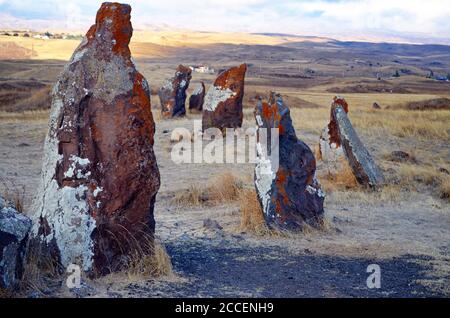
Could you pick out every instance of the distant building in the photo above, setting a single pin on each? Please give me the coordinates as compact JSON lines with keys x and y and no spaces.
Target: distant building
{"x":202,"y":69}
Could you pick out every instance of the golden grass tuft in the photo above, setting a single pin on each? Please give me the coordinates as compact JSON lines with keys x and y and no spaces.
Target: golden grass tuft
{"x":342,"y":180}
{"x":225,"y":187}
{"x":156,"y":263}
{"x":252,"y":217}
{"x":192,"y":196}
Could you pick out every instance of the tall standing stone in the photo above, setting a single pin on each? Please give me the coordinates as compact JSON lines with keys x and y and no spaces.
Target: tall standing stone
{"x":99,"y":177}
{"x":197,"y":98}
{"x":288,"y":191}
{"x":331,"y":151}
{"x":340,"y":144}
{"x":173,"y":94}
{"x":223,"y":103}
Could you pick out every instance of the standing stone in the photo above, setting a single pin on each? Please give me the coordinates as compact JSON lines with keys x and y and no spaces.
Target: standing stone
{"x":173,"y":94}
{"x":289,"y":192}
{"x":99,"y":177}
{"x":223,"y":103}
{"x":340,"y":140}
{"x":331,"y":151}
{"x":197,"y":98}
{"x":14,"y":229}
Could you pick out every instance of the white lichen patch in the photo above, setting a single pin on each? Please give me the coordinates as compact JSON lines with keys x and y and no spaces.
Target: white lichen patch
{"x":97,"y":191}
{"x":331,"y":153}
{"x":215,"y":96}
{"x":76,"y":168}
{"x":67,"y":214}
{"x":78,"y":56}
{"x":65,"y":209}
{"x":264,"y":176}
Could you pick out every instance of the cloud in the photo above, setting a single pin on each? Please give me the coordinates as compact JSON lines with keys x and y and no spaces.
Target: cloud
{"x":338,"y":18}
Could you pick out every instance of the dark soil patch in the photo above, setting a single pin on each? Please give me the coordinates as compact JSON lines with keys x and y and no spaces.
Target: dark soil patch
{"x":242,"y":271}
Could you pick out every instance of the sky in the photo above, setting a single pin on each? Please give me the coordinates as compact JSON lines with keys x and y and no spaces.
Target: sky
{"x":416,"y":21}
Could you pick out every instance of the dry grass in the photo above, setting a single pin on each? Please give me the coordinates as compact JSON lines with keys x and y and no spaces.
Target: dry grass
{"x":444,"y":190}
{"x":155,"y":263}
{"x":410,"y":174}
{"x":32,"y":115}
{"x":41,"y":270}
{"x":40,"y":99}
{"x":252,"y":217}
{"x":224,"y":187}
{"x":425,"y":125}
{"x":192,"y":196}
{"x":343,"y":180}
{"x":13,"y":194}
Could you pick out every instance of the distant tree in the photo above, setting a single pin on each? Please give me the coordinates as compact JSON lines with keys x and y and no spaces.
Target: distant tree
{"x":397,"y":74}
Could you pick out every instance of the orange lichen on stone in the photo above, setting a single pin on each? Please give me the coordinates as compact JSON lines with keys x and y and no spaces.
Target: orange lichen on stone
{"x":113,"y":25}
{"x":332,"y":126}
{"x":220,"y":112}
{"x":290,"y":195}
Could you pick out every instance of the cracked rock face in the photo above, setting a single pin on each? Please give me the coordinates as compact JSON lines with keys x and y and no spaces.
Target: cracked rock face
{"x":99,"y":177}
{"x":14,"y":230}
{"x":173,"y":94}
{"x":222,"y":107}
{"x":197,"y":98}
{"x":340,"y":145}
{"x":291,"y":196}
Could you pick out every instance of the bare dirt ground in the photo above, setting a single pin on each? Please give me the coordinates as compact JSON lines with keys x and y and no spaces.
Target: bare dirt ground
{"x":404,"y":228}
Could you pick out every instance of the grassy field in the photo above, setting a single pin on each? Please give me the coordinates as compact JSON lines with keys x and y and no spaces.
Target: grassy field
{"x":408,"y":219}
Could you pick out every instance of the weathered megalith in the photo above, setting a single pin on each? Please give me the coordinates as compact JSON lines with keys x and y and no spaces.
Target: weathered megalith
{"x":173,"y":94}
{"x":331,"y":151}
{"x":197,"y":98}
{"x":14,"y":230}
{"x":99,"y":177}
{"x":223,"y":103}
{"x":288,"y":190}
{"x":340,"y":145}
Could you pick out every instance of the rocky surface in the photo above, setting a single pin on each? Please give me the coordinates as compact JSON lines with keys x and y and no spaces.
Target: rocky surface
{"x":197,"y":98}
{"x":288,"y":191}
{"x":376,"y":106}
{"x":331,"y":151}
{"x":223,"y":103}
{"x":340,"y":146}
{"x":173,"y":94}
{"x":14,"y":230}
{"x":99,"y":177}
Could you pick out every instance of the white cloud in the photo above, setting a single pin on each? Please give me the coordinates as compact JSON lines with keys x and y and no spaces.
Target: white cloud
{"x":385,"y":18}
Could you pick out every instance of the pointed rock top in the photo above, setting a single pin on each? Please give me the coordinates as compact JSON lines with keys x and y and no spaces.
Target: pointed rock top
{"x":275,"y":114}
{"x":112,"y":28}
{"x":339,"y":102}
{"x":332,"y":126}
{"x":232,"y":78}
